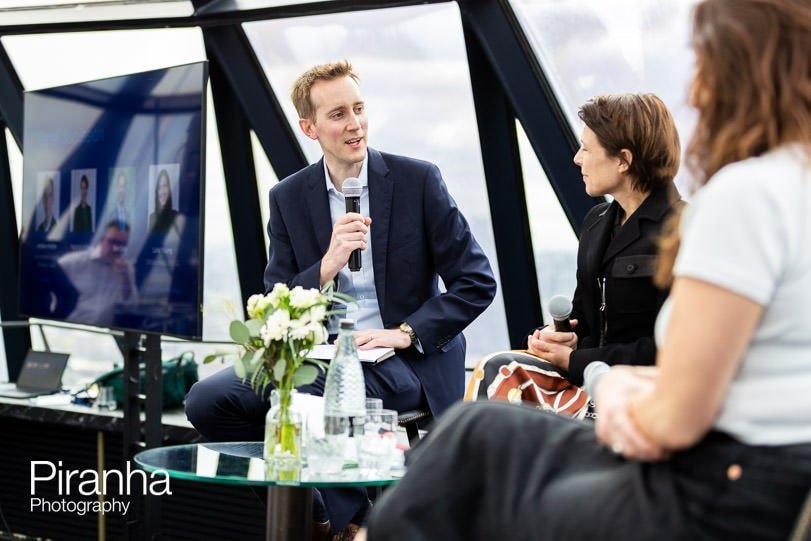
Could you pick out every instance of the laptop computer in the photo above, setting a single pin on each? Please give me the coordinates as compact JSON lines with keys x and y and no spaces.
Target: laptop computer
{"x":41,"y":374}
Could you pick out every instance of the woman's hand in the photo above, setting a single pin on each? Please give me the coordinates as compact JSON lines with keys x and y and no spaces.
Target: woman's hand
{"x":615,"y":427}
{"x":553,"y":346}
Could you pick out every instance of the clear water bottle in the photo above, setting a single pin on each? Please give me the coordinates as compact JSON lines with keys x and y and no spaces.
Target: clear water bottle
{"x":344,"y":390}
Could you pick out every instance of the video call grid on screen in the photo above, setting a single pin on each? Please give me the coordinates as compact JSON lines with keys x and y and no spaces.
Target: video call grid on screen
{"x":113,"y":191}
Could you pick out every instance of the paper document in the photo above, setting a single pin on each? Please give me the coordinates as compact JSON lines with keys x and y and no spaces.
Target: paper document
{"x":326,"y":352}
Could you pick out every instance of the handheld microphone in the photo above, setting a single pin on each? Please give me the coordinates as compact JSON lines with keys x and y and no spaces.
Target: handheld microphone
{"x":352,"y":190}
{"x":560,"y":308}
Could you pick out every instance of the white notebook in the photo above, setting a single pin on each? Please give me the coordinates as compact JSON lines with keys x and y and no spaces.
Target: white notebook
{"x":326,"y":352}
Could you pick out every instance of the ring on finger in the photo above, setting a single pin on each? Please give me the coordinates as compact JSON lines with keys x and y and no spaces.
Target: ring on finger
{"x":617,"y":448}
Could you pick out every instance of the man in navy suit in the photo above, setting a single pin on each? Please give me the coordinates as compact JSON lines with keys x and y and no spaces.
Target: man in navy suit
{"x":410,"y":233}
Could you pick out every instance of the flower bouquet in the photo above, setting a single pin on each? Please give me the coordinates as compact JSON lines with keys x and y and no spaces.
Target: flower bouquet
{"x":283,"y":326}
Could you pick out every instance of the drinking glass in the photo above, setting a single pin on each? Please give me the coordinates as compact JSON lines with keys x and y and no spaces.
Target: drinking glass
{"x":377,"y":445}
{"x":106,"y":399}
{"x":325,"y":455}
{"x":374,"y":405}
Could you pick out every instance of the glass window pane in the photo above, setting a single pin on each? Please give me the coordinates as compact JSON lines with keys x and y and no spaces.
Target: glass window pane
{"x":65,"y":11}
{"x":91,"y":353}
{"x":415,"y":80}
{"x":265,"y":179}
{"x":15,"y":162}
{"x":592,"y":47}
{"x":43,"y":60}
{"x":553,"y":240}
{"x":221,"y":295}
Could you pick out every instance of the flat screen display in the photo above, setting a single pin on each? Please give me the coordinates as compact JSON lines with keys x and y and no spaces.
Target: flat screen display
{"x":113,"y":191}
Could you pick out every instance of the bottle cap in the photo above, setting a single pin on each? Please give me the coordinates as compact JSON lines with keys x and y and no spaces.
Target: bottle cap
{"x":347,"y":324}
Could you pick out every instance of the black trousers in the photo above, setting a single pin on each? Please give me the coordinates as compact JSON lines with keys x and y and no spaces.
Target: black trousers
{"x":490,"y":470}
{"x":223,"y":408}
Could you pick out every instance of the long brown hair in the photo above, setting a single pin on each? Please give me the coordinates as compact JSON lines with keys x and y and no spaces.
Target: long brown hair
{"x":752,"y":87}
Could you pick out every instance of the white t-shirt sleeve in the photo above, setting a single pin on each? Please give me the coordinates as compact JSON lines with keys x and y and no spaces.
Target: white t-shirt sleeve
{"x":733,"y":235}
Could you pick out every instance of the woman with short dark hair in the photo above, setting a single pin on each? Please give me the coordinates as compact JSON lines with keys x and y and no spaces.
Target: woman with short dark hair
{"x":629,"y":150}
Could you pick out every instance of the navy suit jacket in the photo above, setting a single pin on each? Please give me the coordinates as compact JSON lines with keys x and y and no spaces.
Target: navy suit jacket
{"x":418,"y":235}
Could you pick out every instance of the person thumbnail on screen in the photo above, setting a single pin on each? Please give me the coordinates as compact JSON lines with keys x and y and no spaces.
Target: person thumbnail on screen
{"x":83,"y":211}
{"x":165,"y":218}
{"x":121,"y":200}
{"x":47,"y":211}
{"x":102,"y":276}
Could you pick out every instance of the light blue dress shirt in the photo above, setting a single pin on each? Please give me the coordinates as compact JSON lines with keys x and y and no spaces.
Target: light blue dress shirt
{"x":361,"y":284}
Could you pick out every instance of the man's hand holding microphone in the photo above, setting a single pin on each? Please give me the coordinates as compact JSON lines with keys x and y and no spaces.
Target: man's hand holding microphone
{"x":349,"y":235}
{"x":349,"y":238}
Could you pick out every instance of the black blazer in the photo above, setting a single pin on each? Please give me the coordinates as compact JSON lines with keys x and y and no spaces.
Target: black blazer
{"x":622,"y":267}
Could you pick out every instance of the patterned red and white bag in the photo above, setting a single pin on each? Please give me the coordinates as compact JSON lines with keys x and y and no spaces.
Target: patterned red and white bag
{"x":522,"y":378}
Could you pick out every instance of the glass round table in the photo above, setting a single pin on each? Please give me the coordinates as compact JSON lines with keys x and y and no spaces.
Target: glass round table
{"x":289,"y":505}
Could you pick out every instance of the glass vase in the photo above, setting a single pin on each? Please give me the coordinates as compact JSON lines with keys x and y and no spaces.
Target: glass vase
{"x":283,"y":439}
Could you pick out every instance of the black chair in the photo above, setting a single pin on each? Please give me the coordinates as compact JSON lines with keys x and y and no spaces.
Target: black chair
{"x":412,"y":421}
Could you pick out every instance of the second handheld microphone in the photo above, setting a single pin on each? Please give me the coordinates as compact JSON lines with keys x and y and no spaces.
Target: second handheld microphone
{"x":352,"y":190}
{"x":560,"y":308}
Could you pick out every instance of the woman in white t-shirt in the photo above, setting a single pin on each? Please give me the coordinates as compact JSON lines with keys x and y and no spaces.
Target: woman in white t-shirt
{"x":715,"y":441}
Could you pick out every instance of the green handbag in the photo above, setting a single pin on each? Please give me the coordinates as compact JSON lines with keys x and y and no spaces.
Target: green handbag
{"x":179,"y":374}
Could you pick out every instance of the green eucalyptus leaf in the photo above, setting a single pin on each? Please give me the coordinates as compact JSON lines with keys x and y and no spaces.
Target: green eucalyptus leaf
{"x":211,"y":358}
{"x":239,"y":332}
{"x":260,"y":389}
{"x":257,"y":357}
{"x":254,"y":325}
{"x":342,"y":297}
{"x":257,"y":377}
{"x":279,"y":369}
{"x":305,"y":374}
{"x":239,"y":368}
{"x":323,"y":365}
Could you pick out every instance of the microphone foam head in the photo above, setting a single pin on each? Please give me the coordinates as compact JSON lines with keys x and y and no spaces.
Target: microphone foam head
{"x":560,"y":307}
{"x":352,"y":187}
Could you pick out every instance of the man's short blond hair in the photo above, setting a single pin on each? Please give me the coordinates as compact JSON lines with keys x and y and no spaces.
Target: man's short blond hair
{"x":300,"y":94}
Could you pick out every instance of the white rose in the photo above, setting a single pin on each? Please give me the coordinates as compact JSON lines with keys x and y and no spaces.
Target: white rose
{"x":254,"y":311}
{"x":276,"y":327}
{"x":316,"y":314}
{"x":279,"y":292}
{"x":263,"y":304}
{"x":303,"y":298}
{"x":319,"y":333}
{"x":298,"y":329}
{"x":258,"y":305}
